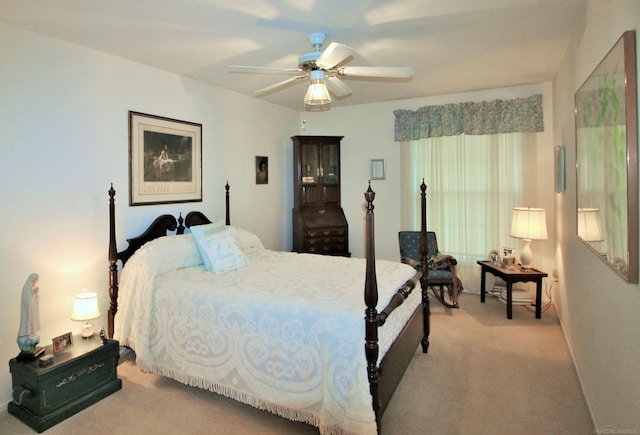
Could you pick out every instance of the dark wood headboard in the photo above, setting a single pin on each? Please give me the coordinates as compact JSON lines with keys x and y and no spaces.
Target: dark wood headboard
{"x":159,"y":227}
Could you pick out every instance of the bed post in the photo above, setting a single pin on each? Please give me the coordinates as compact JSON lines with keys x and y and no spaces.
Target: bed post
{"x":424,"y":281}
{"x":113,"y":267}
{"x":371,"y":300}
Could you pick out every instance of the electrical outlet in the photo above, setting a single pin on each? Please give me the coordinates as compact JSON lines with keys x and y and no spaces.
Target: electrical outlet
{"x":555,"y":275}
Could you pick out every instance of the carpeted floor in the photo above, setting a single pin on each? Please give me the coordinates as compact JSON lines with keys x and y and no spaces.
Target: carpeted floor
{"x":483,"y":374}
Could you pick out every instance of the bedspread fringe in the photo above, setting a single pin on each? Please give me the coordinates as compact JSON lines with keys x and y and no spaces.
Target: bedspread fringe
{"x":244,"y":397}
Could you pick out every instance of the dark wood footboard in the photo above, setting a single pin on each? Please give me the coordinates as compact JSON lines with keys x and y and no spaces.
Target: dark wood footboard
{"x":385,"y":377}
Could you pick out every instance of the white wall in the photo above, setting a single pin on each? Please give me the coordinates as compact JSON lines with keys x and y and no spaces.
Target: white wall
{"x":64,"y":139}
{"x":600,"y":313}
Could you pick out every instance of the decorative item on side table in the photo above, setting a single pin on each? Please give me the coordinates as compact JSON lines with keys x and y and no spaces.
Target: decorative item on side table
{"x":62,"y":342}
{"x":85,"y":309}
{"x":507,"y":258}
{"x":28,"y":338}
{"x":528,"y":224}
{"x":494,"y":257}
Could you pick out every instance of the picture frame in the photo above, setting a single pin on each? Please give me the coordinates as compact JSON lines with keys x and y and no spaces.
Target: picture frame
{"x":494,"y":257}
{"x":377,"y":169}
{"x":165,"y":160}
{"x":62,"y":342}
{"x":262,"y":170}
{"x":606,"y":123}
{"x":507,"y":252}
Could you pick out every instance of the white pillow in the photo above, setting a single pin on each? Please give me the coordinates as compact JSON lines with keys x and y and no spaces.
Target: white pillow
{"x":201,"y":231}
{"x":170,"y":252}
{"x":246,"y":239}
{"x":223,"y":252}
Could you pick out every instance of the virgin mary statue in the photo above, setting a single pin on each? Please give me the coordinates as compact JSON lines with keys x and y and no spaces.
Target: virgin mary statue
{"x":29,"y":319}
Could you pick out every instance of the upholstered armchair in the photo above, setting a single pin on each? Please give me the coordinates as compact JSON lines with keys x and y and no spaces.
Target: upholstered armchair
{"x":442,"y":276}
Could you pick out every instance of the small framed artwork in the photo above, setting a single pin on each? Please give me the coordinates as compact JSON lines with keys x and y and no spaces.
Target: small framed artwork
{"x":508,"y":252}
{"x":377,"y":169}
{"x":262,"y":170}
{"x":494,"y":257}
{"x":165,"y":160}
{"x":62,"y":342}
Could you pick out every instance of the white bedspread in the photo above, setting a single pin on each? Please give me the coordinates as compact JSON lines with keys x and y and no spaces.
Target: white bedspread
{"x":285,"y":333}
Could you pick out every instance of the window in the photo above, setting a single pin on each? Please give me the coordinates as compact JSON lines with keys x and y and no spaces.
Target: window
{"x":473,"y":182}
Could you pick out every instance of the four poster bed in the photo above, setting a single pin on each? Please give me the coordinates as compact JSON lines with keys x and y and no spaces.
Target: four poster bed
{"x":279,"y":331}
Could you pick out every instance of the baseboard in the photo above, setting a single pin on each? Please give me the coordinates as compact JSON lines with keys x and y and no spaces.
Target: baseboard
{"x":575,"y":366}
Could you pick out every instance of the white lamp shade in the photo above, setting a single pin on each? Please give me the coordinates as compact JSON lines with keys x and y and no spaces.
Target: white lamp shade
{"x":529,"y":223}
{"x":589,"y":226}
{"x":317,"y":93}
{"x":85,"y":307}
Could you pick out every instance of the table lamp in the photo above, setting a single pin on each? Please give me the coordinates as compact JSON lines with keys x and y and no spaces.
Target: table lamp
{"x":85,"y":309}
{"x":528,"y":224}
{"x":589,"y":226}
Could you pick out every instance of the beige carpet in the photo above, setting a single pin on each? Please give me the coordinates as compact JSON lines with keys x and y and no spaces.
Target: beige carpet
{"x":484,"y":374}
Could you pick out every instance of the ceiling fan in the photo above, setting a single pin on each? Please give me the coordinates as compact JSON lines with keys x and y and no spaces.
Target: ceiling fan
{"x":323,"y":69}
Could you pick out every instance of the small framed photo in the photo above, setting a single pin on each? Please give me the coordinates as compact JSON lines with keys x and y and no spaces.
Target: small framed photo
{"x":262,"y":170}
{"x":377,"y":169}
{"x":62,"y":342}
{"x":508,"y":252}
{"x":494,"y":257}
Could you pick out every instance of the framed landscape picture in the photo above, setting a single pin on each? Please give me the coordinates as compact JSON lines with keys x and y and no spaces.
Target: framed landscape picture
{"x":165,"y":160}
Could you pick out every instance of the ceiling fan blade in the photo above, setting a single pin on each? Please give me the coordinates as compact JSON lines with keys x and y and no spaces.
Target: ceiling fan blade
{"x":334,"y":55}
{"x":263,"y":70}
{"x":278,"y":85}
{"x":337,"y":87}
{"x":376,"y":71}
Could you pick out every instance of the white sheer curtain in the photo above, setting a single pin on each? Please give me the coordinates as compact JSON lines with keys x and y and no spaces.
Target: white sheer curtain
{"x":473,"y":183}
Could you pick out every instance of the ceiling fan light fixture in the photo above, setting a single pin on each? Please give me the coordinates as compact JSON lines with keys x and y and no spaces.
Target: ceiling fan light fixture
{"x":317,"y":93}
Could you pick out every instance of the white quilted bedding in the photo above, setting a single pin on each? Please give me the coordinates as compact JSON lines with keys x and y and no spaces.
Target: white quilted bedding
{"x":285,"y":333}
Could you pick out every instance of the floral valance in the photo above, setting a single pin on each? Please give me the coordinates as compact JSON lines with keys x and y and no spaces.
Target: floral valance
{"x":487,"y":117}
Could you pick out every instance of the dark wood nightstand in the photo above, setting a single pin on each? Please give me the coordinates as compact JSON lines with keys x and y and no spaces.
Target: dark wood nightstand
{"x":78,"y":377}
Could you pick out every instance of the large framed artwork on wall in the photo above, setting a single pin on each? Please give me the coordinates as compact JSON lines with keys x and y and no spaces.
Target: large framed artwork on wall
{"x":165,"y":160}
{"x":606,"y":110}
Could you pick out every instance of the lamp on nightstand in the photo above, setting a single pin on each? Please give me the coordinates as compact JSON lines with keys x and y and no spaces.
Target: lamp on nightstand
{"x":528,"y":224}
{"x":85,"y":309}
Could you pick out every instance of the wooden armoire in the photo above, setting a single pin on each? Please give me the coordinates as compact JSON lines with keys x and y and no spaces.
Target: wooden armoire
{"x":319,"y":223}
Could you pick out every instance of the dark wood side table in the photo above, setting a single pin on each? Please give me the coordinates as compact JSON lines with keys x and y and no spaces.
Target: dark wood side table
{"x":511,"y":276}
{"x":78,"y":377}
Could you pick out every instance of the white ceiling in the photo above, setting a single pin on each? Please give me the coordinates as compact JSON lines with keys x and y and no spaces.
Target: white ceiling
{"x":452,"y":45}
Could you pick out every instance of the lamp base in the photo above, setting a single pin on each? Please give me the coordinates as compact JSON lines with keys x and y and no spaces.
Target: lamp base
{"x":86,"y":330}
{"x":526,"y":254}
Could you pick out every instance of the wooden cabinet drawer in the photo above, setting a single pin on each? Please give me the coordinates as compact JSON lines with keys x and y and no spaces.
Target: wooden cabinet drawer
{"x":337,"y":232}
